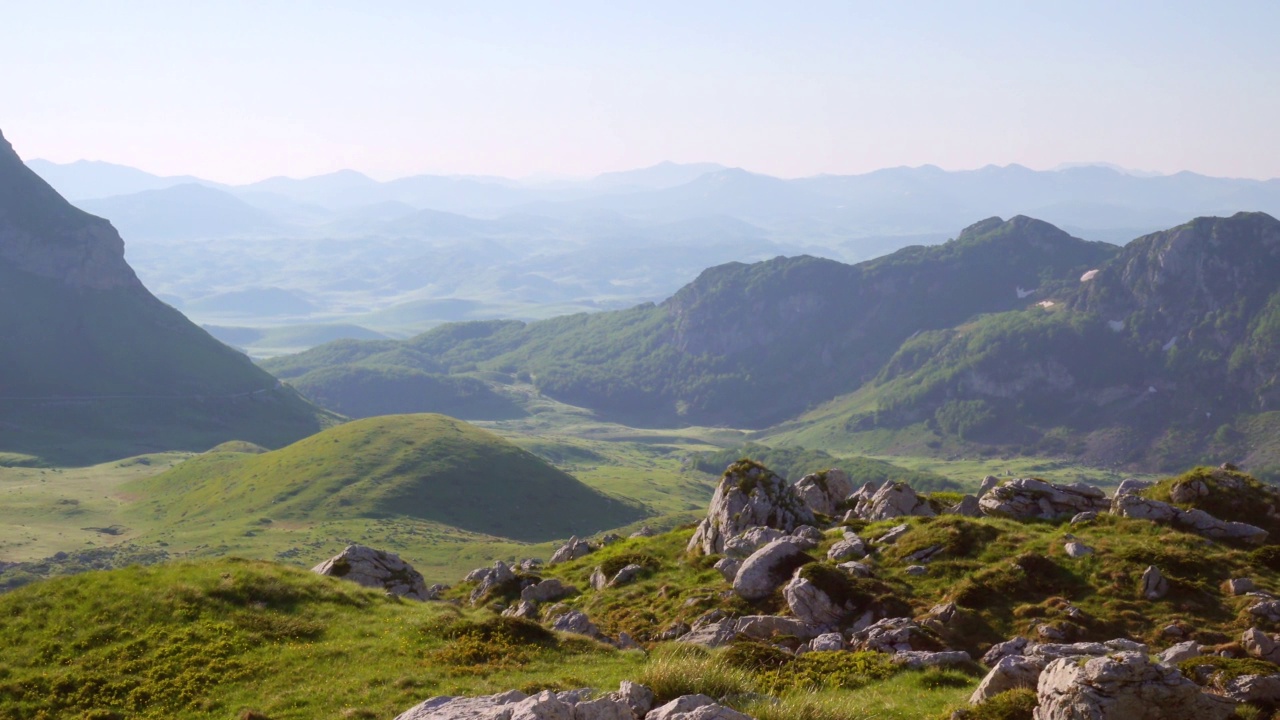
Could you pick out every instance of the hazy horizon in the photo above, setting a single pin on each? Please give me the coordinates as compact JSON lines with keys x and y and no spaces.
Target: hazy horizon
{"x":244,"y":91}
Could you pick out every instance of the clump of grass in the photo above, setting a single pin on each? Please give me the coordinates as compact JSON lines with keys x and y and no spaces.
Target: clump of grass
{"x":672,"y":674}
{"x":613,"y":565}
{"x":756,"y":656}
{"x":957,"y":536}
{"x":1017,"y":704}
{"x":1029,"y":576}
{"x":1224,"y":669}
{"x":827,"y":670}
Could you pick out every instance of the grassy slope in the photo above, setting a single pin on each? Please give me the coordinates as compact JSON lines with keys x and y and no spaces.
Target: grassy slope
{"x":425,"y":467}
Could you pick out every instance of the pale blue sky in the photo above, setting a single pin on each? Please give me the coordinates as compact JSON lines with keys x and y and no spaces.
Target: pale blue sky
{"x":237,"y":91}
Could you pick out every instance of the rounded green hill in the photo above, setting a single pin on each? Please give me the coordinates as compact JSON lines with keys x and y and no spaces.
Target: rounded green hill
{"x":429,"y":467}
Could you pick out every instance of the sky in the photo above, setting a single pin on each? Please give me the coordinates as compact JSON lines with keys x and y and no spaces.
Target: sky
{"x":238,"y":91}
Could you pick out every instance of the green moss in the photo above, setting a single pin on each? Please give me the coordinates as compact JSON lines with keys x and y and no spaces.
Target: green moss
{"x":1028,"y":576}
{"x":1226,"y":669}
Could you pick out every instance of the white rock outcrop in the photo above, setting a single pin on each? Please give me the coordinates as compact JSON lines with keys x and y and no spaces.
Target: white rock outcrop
{"x":748,"y":496}
{"x":376,"y":569}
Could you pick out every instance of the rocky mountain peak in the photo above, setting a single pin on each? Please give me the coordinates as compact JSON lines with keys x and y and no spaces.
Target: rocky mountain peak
{"x":42,"y":234}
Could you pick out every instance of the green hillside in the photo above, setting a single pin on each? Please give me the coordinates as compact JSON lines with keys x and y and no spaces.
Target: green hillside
{"x":94,"y":366}
{"x":424,"y":467}
{"x":742,"y":345}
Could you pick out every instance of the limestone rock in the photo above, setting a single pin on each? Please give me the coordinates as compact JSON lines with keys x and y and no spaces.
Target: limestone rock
{"x":1009,"y":648}
{"x":808,"y":532}
{"x":638,"y":698}
{"x":489,"y":707}
{"x":549,"y":590}
{"x":967,"y":507}
{"x":1084,"y":517}
{"x":1029,"y":498}
{"x":892,"y":500}
{"x":1182,"y":651}
{"x":1258,"y":689}
{"x":768,"y":568}
{"x":571,"y":550}
{"x":894,"y":533}
{"x":498,"y":576}
{"x":1130,"y":486}
{"x":1009,"y":673}
{"x":711,"y":635}
{"x":891,"y":635}
{"x":1196,"y":520}
{"x":694,"y":707}
{"x":823,"y":492}
{"x":813,"y":606}
{"x":1077,"y":549}
{"x":856,"y":569}
{"x":920,"y":659}
{"x":376,"y":569}
{"x":629,"y":702}
{"x":597,"y":580}
{"x":728,"y":567}
{"x":1261,"y":645}
{"x":1125,"y":686}
{"x":851,"y":547}
{"x":748,"y":496}
{"x":523,"y":609}
{"x":827,"y":642}
{"x":917,"y":570}
{"x":576,"y":621}
{"x":644,"y":532}
{"x":767,"y":627}
{"x":1268,"y":610}
{"x":750,"y":540}
{"x":626,"y":575}
{"x":988,"y":483}
{"x":1154,"y":584}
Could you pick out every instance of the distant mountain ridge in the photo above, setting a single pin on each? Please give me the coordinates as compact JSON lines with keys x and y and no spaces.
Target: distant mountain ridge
{"x":1015,"y":334}
{"x":93,"y":363}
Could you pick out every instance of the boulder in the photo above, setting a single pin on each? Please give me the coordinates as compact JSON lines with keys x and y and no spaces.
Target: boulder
{"x":814,"y":607}
{"x":1195,"y":520}
{"x":549,"y":590}
{"x":1031,"y":498}
{"x":851,"y":547}
{"x":1182,"y":651}
{"x":489,"y":707}
{"x":767,"y":627}
{"x":523,"y":609}
{"x":921,"y":659}
{"x":750,"y":540}
{"x":988,"y":483}
{"x":1124,"y":686}
{"x":892,"y":500}
{"x":1268,"y":610}
{"x":636,"y":697}
{"x":571,"y":550}
{"x":627,"y":574}
{"x":917,"y":570}
{"x":827,"y":642}
{"x":1009,"y":648}
{"x":768,"y":568}
{"x":1077,"y":549}
{"x":1131,"y":486}
{"x":1009,"y":673}
{"x":1154,"y":584}
{"x":498,"y":576}
{"x":576,"y":621}
{"x":808,"y":532}
{"x":748,"y":495}
{"x":598,"y":581}
{"x":1239,"y":586}
{"x":711,"y":635}
{"x":728,"y":567}
{"x":629,"y":702}
{"x":856,"y":569}
{"x":644,"y":532}
{"x":376,"y":569}
{"x":892,"y":635}
{"x":1257,"y":689}
{"x":823,"y":492}
{"x":1261,"y":645}
{"x":892,"y":536}
{"x":694,"y":707}
{"x":967,"y":507}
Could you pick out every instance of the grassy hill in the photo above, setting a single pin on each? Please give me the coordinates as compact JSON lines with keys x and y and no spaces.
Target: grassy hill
{"x":425,"y":467}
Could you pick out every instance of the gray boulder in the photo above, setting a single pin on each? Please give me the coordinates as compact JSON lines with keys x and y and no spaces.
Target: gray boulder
{"x":750,"y":540}
{"x":712,"y":635}
{"x":644,"y":532}
{"x":497,"y":576}
{"x":767,"y":627}
{"x":768,"y":568}
{"x":694,"y":707}
{"x":489,"y":707}
{"x":626,"y":575}
{"x":1014,"y":647}
{"x":1077,"y":549}
{"x":728,"y":567}
{"x":571,"y":550}
{"x":376,"y":569}
{"x":629,"y":702}
{"x":851,"y":547}
{"x":523,"y":609}
{"x":1261,"y":645}
{"x":890,"y":635}
{"x":748,"y":496}
{"x":921,"y":659}
{"x":823,"y":492}
{"x":1182,"y":651}
{"x":1239,"y":586}
{"x":1154,"y":584}
{"x":892,"y":500}
{"x":1131,"y":486}
{"x":827,"y":642}
{"x":967,"y":507}
{"x":988,"y":483}
{"x":1195,"y":520}
{"x":1030,"y":498}
{"x":549,"y":590}
{"x":576,"y":621}
{"x":1124,"y":686}
{"x":1009,"y":673}
{"x":814,"y":607}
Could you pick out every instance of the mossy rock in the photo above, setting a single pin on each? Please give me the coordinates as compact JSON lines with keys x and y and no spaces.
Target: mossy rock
{"x":1228,"y":495}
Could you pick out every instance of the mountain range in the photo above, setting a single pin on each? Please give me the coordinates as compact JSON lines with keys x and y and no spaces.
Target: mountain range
{"x":1014,"y":336}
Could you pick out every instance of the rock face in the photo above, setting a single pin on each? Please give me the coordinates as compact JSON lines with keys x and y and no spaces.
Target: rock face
{"x":1196,"y":520}
{"x":1125,"y":686}
{"x":1029,"y":498}
{"x":744,"y":543}
{"x":376,"y":569}
{"x":893,"y":499}
{"x":748,"y":495}
{"x":768,"y":568}
{"x":823,"y":492}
